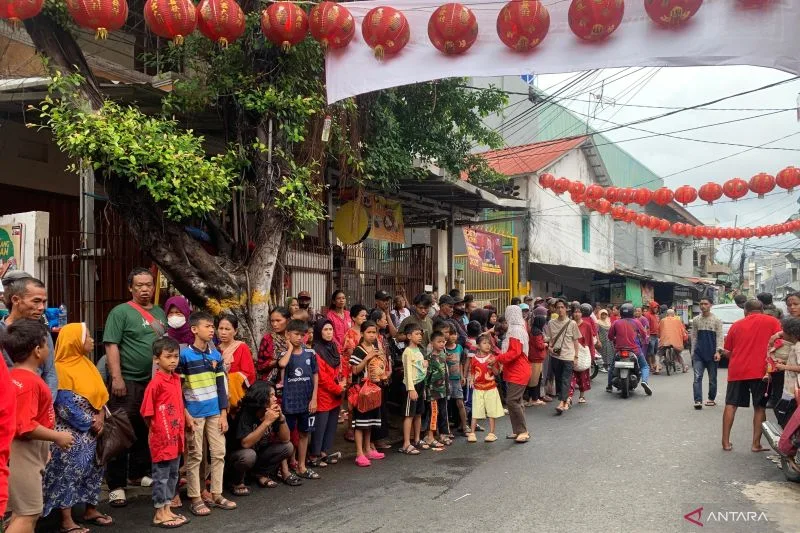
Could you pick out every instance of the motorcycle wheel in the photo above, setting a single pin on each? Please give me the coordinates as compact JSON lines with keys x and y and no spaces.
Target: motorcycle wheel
{"x":667,"y":365}
{"x":788,"y":472}
{"x":595,"y":369}
{"x":624,"y":390}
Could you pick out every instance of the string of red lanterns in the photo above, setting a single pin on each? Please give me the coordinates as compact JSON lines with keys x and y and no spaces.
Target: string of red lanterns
{"x":609,"y":200}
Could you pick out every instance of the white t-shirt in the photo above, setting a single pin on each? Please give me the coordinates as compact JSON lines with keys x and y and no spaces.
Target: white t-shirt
{"x":565,"y":341}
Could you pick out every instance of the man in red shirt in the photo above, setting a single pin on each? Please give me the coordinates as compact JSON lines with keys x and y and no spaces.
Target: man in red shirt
{"x":653,"y":319}
{"x":746,"y":347}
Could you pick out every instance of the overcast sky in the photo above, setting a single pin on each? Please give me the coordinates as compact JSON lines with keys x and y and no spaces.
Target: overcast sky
{"x":684,"y":87}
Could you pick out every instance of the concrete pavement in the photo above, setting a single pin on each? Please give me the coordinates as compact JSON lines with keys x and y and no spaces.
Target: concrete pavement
{"x":635,"y":465}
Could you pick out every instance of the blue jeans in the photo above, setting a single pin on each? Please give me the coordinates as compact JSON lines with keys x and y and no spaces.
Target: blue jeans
{"x":653,"y":345}
{"x":699,"y":366}
{"x":643,"y":367}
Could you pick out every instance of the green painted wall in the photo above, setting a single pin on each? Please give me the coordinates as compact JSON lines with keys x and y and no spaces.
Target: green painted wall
{"x":633,"y":291}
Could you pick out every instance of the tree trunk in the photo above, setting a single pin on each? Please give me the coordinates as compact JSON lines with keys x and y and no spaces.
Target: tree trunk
{"x":212,"y":282}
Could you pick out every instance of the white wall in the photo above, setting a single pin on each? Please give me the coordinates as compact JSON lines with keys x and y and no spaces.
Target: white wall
{"x":35,"y":228}
{"x":554,"y":234}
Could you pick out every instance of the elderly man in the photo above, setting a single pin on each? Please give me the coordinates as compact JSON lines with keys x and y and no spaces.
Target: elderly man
{"x":746,"y":347}
{"x":672,"y":334}
{"x":131,"y":328}
{"x":26,"y":297}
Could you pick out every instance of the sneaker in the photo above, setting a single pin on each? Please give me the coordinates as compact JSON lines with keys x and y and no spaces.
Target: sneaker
{"x":491,"y":437}
{"x":374,"y":454}
{"x":647,"y":388}
{"x":698,"y":405}
{"x":609,"y":389}
{"x":479,"y":428}
{"x":362,"y":460}
{"x":471,"y":437}
{"x":603,"y":371}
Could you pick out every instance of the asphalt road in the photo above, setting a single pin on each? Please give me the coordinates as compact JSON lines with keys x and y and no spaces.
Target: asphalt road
{"x":635,"y":465}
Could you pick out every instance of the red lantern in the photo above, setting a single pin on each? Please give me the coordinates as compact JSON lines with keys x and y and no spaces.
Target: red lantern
{"x":576,"y":197}
{"x":663,"y":225}
{"x":710,"y":192}
{"x":453,"y":28}
{"x":16,"y":11}
{"x":590,"y":204}
{"x":561,"y":186}
{"x":685,"y":194}
{"x":171,"y":19}
{"x":576,"y":187}
{"x":747,"y":233}
{"x":788,"y":178}
{"x":595,"y":20}
{"x":222,"y":21}
{"x":612,"y":194}
{"x":284,"y":24}
{"x":523,"y":24}
{"x":595,"y":192}
{"x":671,"y":13}
{"x":738,"y":233}
{"x":762,"y":183}
{"x":641,"y":220}
{"x":546,"y":180}
{"x":101,"y":16}
{"x":662,"y":196}
{"x":603,"y":206}
{"x":679,"y":228}
{"x":735,"y":188}
{"x":630,"y":216}
{"x":331,"y":25}
{"x":698,"y":231}
{"x":643,"y":196}
{"x":618,"y":212}
{"x":385,"y":30}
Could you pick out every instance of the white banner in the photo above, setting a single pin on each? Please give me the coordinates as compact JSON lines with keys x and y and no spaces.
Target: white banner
{"x":721,"y":33}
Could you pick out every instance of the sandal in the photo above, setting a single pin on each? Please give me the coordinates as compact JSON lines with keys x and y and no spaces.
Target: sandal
{"x":266,"y":482}
{"x":422,"y":444}
{"x":308,"y":474}
{"x":411,"y":450}
{"x":240,"y":490}
{"x":581,"y":400}
{"x":711,"y":403}
{"x":319,"y":462}
{"x":199,"y":508}
{"x":435,"y":444}
{"x":332,"y":458}
{"x":224,"y":504}
{"x":511,"y":436}
{"x":76,"y":529}
{"x":292,"y":480}
{"x":99,"y":520}
{"x":116,"y":498}
{"x":168,"y":524}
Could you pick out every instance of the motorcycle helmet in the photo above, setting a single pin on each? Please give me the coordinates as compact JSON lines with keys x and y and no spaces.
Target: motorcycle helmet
{"x":626,"y":310}
{"x":586,"y":310}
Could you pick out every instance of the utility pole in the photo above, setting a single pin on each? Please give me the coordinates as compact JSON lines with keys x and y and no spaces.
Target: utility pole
{"x":741,"y":265}
{"x":730,"y":260}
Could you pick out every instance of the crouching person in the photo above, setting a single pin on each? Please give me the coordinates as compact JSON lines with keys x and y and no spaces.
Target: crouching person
{"x":259,"y":440}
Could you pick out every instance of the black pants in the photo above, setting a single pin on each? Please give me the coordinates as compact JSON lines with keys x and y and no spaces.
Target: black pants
{"x":563,"y":373}
{"x":325,"y":432}
{"x":263,"y":462}
{"x":441,"y":416}
{"x":135,"y":463}
{"x":383,"y":432}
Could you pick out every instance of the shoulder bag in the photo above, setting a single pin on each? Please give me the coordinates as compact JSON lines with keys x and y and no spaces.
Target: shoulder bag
{"x":156,"y":325}
{"x":116,"y":437}
{"x":560,"y":335}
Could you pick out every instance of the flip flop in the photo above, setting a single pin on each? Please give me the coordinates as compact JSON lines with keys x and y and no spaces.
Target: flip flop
{"x":76,"y":528}
{"x":169,"y":524}
{"x":761,"y":449}
{"x":727,"y":447}
{"x":241,"y":490}
{"x":101,"y":520}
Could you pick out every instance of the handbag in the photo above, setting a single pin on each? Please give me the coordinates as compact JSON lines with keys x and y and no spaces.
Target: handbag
{"x":369,"y":397}
{"x":584,"y":359}
{"x":559,"y":335}
{"x":117,"y":436}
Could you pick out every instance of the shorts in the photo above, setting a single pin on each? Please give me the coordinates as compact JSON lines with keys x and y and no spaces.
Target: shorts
{"x":456,"y":392}
{"x":304,"y":422}
{"x":486,"y":404}
{"x":370,"y":419}
{"x":739,"y":393}
{"x":26,"y":468}
{"x":416,"y":407}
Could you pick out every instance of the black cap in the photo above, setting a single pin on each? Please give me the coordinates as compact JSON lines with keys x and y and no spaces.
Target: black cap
{"x":383,"y":295}
{"x":457,"y":300}
{"x":446,"y":300}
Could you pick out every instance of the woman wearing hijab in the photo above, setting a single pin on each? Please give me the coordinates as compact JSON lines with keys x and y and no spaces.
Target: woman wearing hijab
{"x":178,"y":312}
{"x":329,"y":395}
{"x":72,"y":476}
{"x":516,"y":371}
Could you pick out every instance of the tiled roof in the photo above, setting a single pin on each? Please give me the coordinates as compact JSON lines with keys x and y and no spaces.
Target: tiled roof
{"x":529,"y":158}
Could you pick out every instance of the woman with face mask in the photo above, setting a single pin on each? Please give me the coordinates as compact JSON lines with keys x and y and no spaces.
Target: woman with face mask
{"x":178,"y":312}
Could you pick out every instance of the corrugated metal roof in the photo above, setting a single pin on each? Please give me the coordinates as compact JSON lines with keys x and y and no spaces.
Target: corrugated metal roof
{"x":529,"y":158}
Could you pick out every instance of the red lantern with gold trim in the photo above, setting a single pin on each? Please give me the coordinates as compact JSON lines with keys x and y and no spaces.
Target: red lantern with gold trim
{"x":222,"y":21}
{"x":788,"y":178}
{"x":595,"y":20}
{"x":101,"y":16}
{"x":561,"y":186}
{"x":762,"y":184}
{"x":643,"y":196}
{"x":547,"y":180}
{"x":603,"y":206}
{"x":671,"y":13}
{"x":16,"y":11}
{"x":685,"y":194}
{"x":523,"y":24}
{"x":385,"y":30}
{"x":171,"y":19}
{"x":595,"y":192}
{"x":577,"y":187}
{"x":735,"y":188}
{"x":284,"y":24}
{"x":663,"y":196}
{"x":332,"y":25}
{"x":453,"y":28}
{"x":710,"y":192}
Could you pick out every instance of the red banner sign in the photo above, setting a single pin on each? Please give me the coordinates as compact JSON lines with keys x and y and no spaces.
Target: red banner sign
{"x":484,"y":251}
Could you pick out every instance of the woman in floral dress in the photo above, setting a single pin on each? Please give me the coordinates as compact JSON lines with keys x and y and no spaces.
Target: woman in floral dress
{"x":72,"y":476}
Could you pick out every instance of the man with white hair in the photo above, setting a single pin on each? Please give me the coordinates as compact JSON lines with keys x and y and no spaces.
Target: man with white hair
{"x":672,"y":334}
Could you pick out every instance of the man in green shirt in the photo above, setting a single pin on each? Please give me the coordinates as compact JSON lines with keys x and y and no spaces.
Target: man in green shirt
{"x":131,"y":328}
{"x":419,"y":317}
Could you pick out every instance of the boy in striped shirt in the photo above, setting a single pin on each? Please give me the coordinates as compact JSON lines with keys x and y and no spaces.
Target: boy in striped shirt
{"x":205,"y":396}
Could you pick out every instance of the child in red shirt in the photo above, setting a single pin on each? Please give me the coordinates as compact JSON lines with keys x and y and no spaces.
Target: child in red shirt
{"x":25,"y":342}
{"x":485,"y":396}
{"x":162,"y":410}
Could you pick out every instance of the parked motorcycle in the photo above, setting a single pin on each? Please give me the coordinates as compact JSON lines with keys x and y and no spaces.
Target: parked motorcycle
{"x":786,"y":448}
{"x":627,"y":373}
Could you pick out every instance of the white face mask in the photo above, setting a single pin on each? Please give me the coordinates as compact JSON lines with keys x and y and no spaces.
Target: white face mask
{"x":176,"y":321}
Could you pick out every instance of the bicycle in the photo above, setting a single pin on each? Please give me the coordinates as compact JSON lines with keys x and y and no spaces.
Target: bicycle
{"x":668,"y":360}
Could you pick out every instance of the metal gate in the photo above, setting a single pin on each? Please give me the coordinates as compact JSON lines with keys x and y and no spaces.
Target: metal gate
{"x":494,"y":289}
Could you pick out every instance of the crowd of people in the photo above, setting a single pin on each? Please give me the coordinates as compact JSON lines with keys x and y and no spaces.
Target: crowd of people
{"x":203,"y":412}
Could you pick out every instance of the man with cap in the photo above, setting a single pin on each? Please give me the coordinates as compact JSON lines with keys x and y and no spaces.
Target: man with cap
{"x":446,"y":310}
{"x":304,"y":301}
{"x":383,"y":301}
{"x":26,"y":297}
